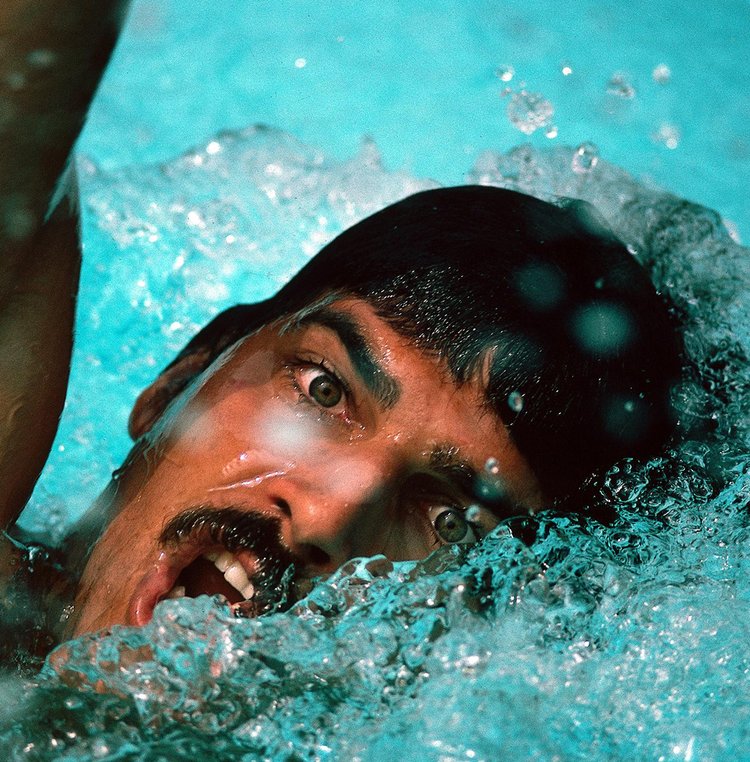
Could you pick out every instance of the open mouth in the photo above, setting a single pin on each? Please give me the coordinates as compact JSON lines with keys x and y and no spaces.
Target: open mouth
{"x":227,"y":552}
{"x":214,"y":573}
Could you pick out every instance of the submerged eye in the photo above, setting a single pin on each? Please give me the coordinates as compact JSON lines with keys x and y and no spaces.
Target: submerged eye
{"x":451,"y":525}
{"x":325,"y":390}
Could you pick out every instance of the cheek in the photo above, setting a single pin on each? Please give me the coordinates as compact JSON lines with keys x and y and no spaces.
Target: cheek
{"x":279,"y":428}
{"x":222,"y":405}
{"x":410,"y":538}
{"x":258,"y":423}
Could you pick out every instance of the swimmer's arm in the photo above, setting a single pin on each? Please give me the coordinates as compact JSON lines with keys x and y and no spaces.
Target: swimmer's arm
{"x":52,"y":55}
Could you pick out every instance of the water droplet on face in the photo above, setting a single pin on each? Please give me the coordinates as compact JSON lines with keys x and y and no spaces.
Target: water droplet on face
{"x":41,"y":58}
{"x":540,"y":286}
{"x":585,"y":158}
{"x":15,"y":80}
{"x":473,"y":513}
{"x":492,"y":466}
{"x":490,"y":488}
{"x":515,"y":401}
{"x":602,"y":329}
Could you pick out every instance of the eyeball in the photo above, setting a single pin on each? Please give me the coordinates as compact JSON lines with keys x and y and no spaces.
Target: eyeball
{"x":451,"y":525}
{"x":325,"y":390}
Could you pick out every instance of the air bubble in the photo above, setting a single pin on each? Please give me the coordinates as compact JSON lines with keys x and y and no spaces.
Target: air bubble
{"x":515,"y":401}
{"x":100,"y":750}
{"x":620,"y":86}
{"x":667,"y":134}
{"x":194,"y":219}
{"x":661,"y":74}
{"x":585,"y":158}
{"x":505,"y":73}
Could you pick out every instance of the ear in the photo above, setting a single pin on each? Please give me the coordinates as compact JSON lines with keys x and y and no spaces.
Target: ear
{"x":195,"y":357}
{"x":153,"y":400}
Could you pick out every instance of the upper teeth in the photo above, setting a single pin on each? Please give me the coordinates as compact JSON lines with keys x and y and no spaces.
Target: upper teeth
{"x":233,"y":571}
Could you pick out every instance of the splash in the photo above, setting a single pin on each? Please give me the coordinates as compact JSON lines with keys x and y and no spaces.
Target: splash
{"x":557,"y":637}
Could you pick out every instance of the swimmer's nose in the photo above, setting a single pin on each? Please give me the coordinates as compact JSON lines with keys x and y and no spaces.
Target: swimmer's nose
{"x":342,"y":514}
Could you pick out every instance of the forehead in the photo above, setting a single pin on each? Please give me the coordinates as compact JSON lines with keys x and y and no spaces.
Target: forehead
{"x":385,"y":358}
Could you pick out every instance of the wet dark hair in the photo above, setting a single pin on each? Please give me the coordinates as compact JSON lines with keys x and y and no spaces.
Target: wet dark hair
{"x":581,"y":350}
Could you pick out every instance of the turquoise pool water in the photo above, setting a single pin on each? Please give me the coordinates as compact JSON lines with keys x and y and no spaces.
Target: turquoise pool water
{"x":629,"y":641}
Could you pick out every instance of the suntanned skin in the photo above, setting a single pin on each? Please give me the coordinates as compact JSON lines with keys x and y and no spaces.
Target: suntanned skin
{"x":52,"y":55}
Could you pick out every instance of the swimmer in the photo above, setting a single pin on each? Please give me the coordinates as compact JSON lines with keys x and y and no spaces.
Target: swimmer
{"x":459,"y":358}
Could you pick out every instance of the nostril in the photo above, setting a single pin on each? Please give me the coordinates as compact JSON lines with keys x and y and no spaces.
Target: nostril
{"x":283,"y":506}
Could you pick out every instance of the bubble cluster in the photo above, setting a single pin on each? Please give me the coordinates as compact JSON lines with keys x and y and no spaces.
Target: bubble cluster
{"x":529,"y":112}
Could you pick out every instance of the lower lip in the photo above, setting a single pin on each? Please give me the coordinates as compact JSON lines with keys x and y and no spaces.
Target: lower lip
{"x":157,"y":582}
{"x":153,"y":587}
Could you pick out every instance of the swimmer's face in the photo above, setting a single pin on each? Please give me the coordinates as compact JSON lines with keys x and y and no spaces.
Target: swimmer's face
{"x":310,"y":444}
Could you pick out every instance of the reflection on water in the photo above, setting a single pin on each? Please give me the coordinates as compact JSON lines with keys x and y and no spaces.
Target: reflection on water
{"x":555,"y":638}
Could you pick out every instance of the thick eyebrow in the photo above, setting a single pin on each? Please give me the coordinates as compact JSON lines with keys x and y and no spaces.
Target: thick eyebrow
{"x":445,"y":461}
{"x":383,"y":387}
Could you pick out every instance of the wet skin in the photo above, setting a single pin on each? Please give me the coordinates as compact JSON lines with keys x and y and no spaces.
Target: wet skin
{"x":348,"y":438}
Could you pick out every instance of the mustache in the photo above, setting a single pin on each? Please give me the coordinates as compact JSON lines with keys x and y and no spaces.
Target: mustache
{"x":231,"y":527}
{"x":236,"y":530}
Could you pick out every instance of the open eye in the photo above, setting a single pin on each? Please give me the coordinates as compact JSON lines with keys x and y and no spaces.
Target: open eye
{"x":451,"y":525}
{"x":321,"y":387}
